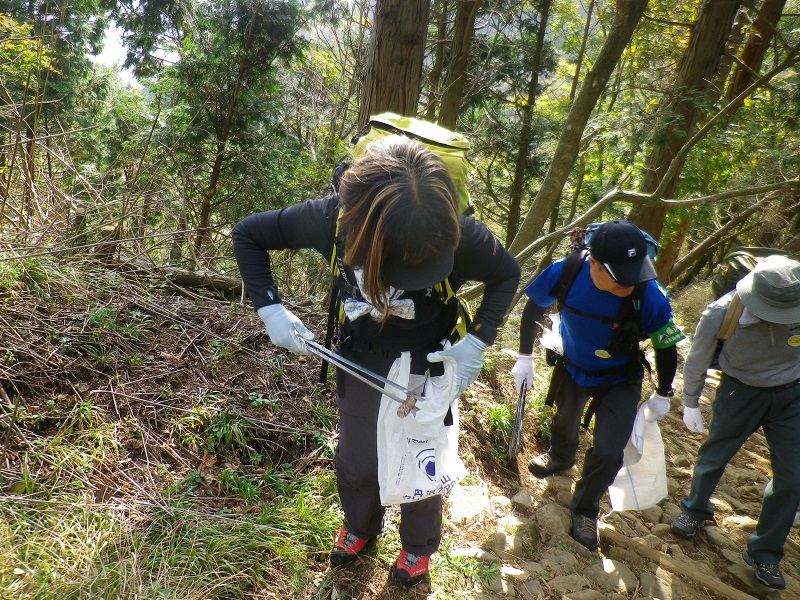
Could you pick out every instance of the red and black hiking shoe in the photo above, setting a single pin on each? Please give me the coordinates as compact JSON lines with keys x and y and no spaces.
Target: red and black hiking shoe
{"x":346,"y":547}
{"x":410,"y":569}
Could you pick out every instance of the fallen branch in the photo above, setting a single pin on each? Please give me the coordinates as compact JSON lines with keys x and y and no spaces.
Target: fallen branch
{"x":611,"y":537}
{"x":208,"y":280}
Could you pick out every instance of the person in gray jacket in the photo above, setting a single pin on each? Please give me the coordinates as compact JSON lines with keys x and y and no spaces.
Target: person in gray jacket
{"x":760,"y":387}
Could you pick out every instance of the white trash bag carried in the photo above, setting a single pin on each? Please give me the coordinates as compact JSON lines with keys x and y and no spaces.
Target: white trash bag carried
{"x":768,"y":489}
{"x":418,"y":454}
{"x":642,"y":480}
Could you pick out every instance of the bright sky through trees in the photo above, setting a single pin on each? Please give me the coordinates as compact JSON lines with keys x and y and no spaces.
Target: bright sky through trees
{"x":113,"y":54}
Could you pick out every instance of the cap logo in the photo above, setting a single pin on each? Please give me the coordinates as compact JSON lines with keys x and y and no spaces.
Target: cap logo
{"x":631,"y":252}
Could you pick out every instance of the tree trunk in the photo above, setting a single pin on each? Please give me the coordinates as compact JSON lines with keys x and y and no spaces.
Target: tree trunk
{"x":394,"y":65}
{"x":652,"y":219}
{"x":525,"y":134}
{"x":627,"y":17}
{"x":742,"y":22}
{"x":700,"y":61}
{"x":579,"y":61}
{"x":438,"y":61}
{"x":222,"y":141}
{"x":456,"y":81}
{"x":756,"y":47}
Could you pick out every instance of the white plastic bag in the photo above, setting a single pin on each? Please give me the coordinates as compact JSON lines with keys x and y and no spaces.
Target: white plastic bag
{"x":768,"y":489}
{"x":641,"y":483}
{"x":551,"y":336}
{"x":418,"y":454}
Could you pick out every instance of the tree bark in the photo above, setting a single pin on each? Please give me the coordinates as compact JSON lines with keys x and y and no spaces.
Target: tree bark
{"x":394,"y":65}
{"x":579,"y":61}
{"x":525,"y":134}
{"x":627,"y":17}
{"x":698,"y":66}
{"x":756,"y":47}
{"x":222,"y":142}
{"x":466,"y":11}
{"x":438,"y":61}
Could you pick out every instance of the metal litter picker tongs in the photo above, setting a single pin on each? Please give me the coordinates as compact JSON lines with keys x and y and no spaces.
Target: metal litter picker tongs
{"x":516,"y":433}
{"x":390,"y":388}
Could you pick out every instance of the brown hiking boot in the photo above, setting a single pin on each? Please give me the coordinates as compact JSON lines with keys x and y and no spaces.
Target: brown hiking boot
{"x":545,"y":465}
{"x":584,"y":531}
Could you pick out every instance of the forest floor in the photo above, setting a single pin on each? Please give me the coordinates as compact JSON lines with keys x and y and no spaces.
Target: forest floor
{"x":196,"y":402}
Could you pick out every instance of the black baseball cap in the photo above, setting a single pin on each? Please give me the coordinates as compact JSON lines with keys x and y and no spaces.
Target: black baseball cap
{"x":404,"y":276}
{"x":622,"y":249}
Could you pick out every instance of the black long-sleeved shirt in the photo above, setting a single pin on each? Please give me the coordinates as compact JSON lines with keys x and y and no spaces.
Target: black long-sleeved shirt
{"x":311,"y":224}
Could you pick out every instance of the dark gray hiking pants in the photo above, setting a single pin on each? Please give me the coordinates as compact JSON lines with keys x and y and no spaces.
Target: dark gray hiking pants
{"x":738,"y":411}
{"x":357,"y":466}
{"x":613,"y":423}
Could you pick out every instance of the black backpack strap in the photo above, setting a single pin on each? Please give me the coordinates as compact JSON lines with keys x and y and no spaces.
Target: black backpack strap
{"x":336,"y":175}
{"x":334,"y":296}
{"x":629,"y":315}
{"x":631,"y":309}
{"x":331,"y":327}
{"x":572,"y":266}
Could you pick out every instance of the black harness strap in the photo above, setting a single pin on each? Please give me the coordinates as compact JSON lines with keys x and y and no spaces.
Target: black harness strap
{"x":626,"y":337}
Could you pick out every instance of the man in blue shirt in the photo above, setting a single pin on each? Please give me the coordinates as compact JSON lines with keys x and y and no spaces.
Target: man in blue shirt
{"x":613,"y":303}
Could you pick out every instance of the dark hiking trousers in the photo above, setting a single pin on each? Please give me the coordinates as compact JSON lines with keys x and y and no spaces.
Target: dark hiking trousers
{"x":738,"y":411}
{"x":613,"y":423}
{"x":357,"y":465}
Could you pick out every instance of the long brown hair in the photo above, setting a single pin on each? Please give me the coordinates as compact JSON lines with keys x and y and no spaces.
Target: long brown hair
{"x":398,"y":201}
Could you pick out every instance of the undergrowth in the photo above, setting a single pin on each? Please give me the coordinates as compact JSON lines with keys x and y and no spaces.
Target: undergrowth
{"x":156,"y":446}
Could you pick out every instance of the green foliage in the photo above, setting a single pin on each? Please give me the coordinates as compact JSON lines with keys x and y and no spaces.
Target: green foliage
{"x":226,"y":429}
{"x":226,"y":73}
{"x":260,"y":401}
{"x":40,"y":275}
{"x":222,"y":349}
{"x":102,"y":318}
{"x":137,"y":323}
{"x":501,"y":421}
{"x":47,"y":56}
{"x":538,"y":414}
{"x":239,"y":485}
{"x":190,"y":426}
{"x":450,"y":568}
{"x":21,"y":53}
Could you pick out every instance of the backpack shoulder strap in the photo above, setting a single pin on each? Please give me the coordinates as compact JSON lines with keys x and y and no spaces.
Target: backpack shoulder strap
{"x":635,"y":300}
{"x":334,"y":301}
{"x":572,"y":266}
{"x":731,"y":320}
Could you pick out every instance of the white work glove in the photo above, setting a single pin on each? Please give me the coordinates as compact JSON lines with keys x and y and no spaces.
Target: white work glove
{"x":523,"y":371}
{"x":465,"y":358}
{"x":693,"y":419}
{"x":285,"y":329}
{"x":656,"y":407}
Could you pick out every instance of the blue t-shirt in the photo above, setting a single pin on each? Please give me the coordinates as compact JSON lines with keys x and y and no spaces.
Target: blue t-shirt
{"x":585,"y":339}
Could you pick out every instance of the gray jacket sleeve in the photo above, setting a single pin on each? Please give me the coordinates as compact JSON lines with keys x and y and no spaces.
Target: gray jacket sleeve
{"x":701,"y":354}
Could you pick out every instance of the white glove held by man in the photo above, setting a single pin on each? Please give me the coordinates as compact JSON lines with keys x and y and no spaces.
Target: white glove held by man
{"x":285,"y":329}
{"x":693,"y":419}
{"x":656,"y":407}
{"x":466,"y":359}
{"x":523,"y":371}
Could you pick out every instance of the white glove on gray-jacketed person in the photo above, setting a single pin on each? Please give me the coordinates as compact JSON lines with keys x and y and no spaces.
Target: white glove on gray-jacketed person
{"x":693,"y":419}
{"x":523,"y":371}
{"x":466,"y":359}
{"x":285,"y":329}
